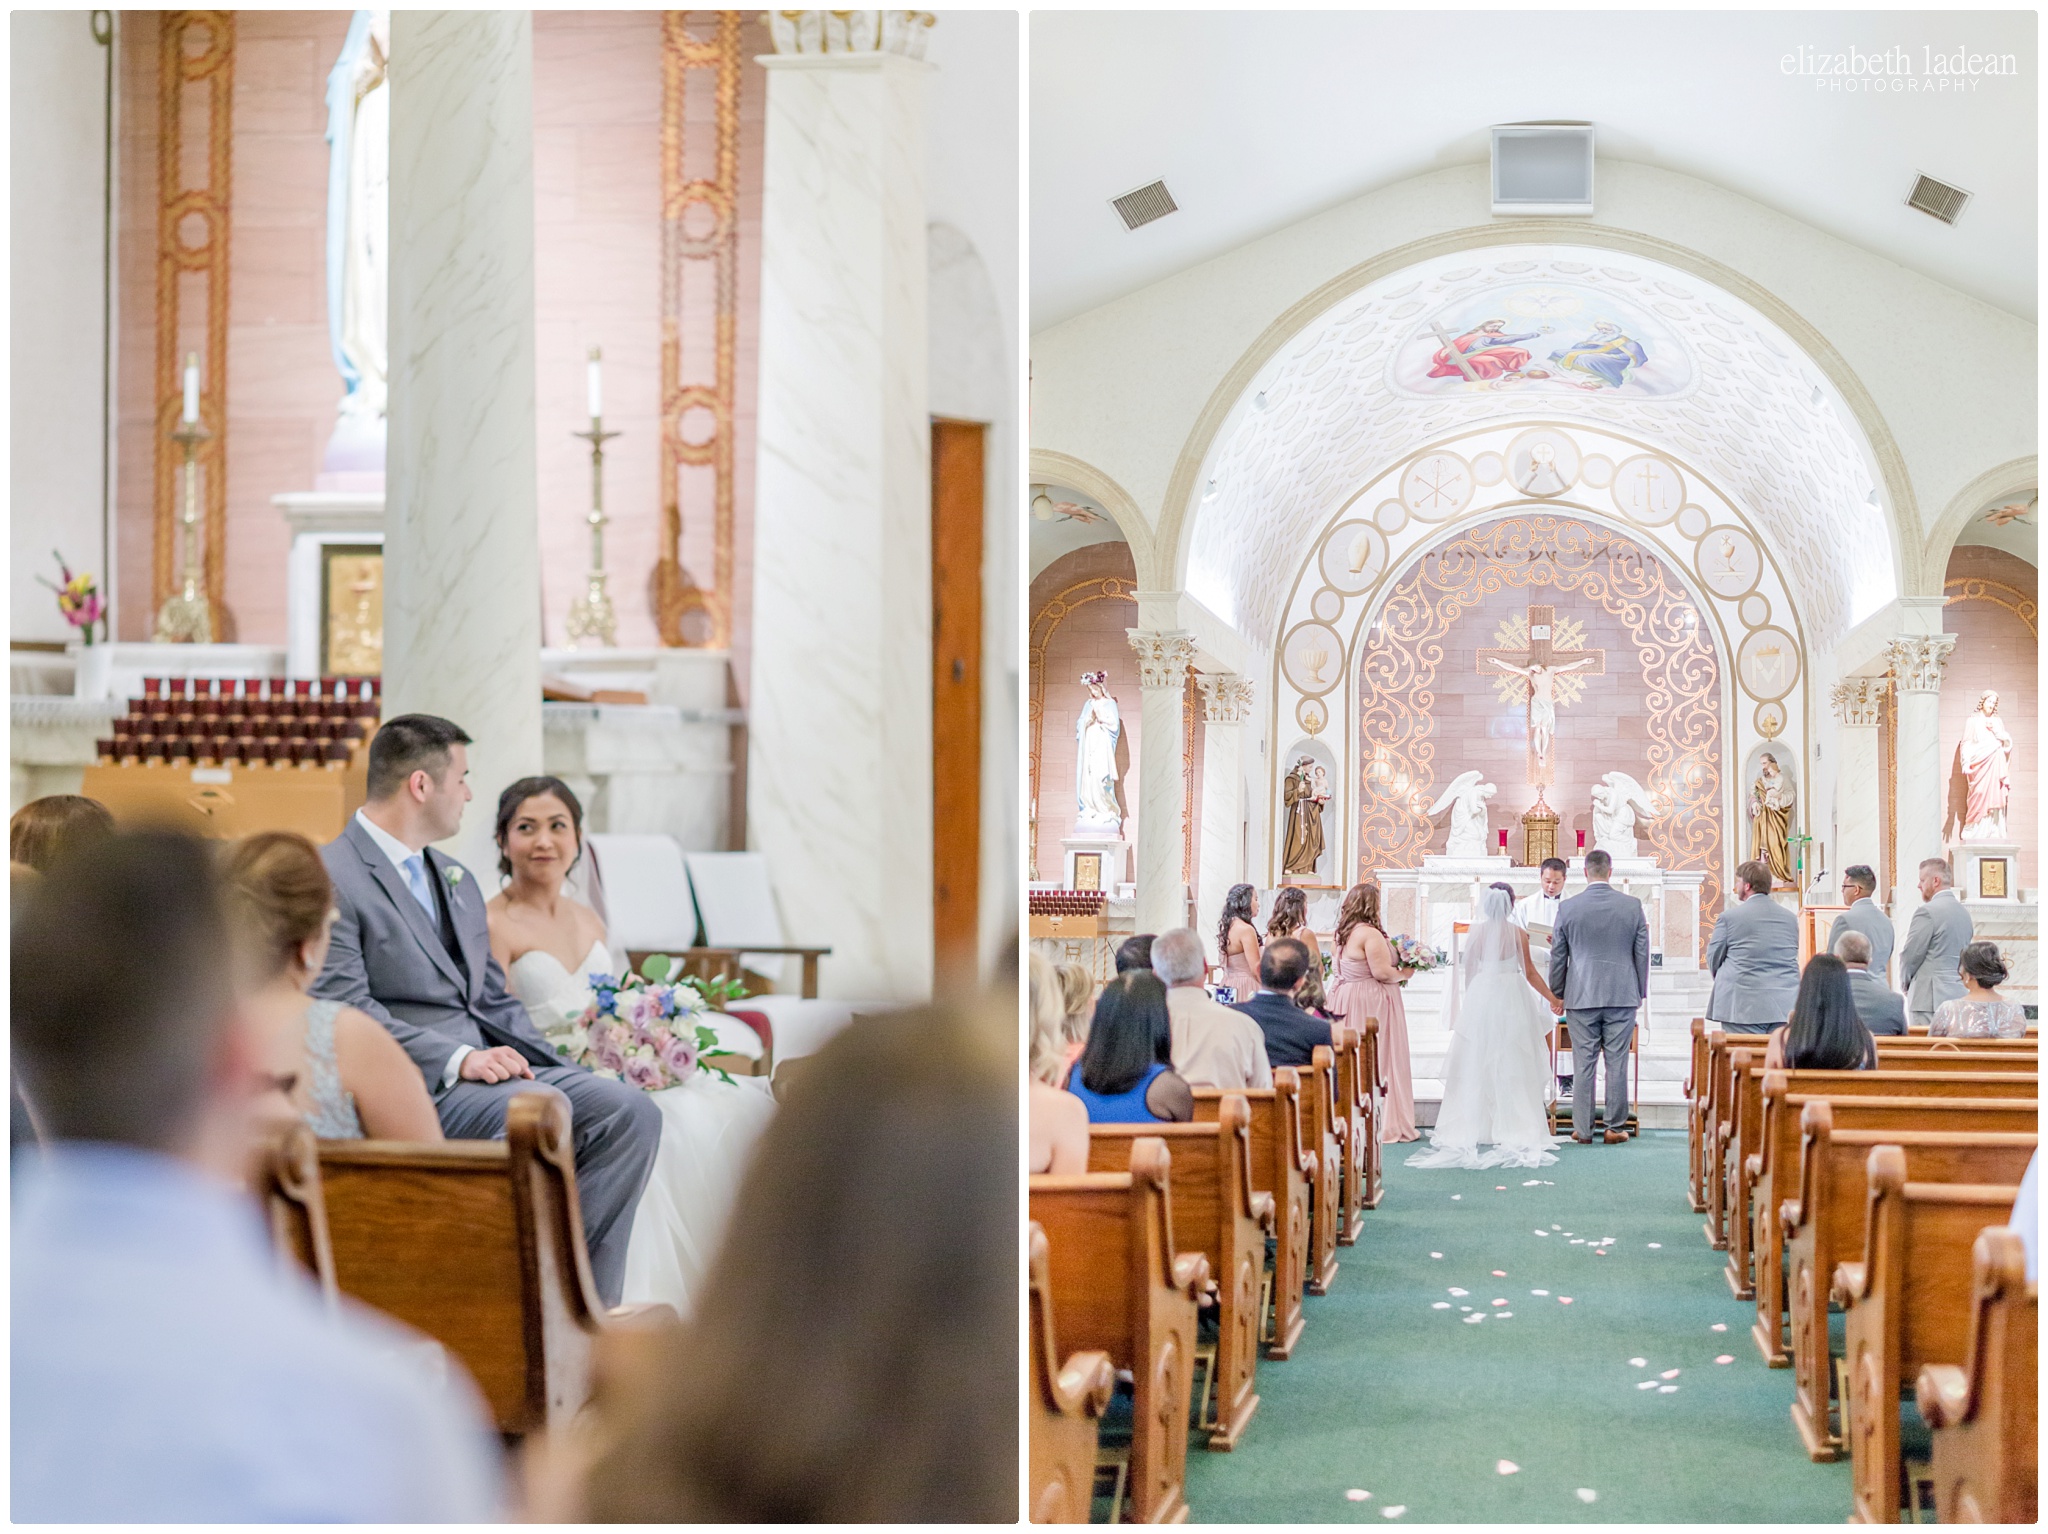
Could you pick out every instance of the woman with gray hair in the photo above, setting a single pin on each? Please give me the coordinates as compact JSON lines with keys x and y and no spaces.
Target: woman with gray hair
{"x":1980,"y":1012}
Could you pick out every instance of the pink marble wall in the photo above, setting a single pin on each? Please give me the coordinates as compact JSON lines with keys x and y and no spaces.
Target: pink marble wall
{"x":1090,"y":637}
{"x":1995,"y":649}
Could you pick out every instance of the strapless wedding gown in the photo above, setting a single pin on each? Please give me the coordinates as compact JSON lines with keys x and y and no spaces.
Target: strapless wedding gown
{"x":1495,"y":1077}
{"x":708,"y":1130}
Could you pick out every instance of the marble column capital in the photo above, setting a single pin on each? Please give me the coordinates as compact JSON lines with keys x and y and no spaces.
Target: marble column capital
{"x":1858,"y":698}
{"x":1163,"y":656}
{"x":1226,"y":697}
{"x":850,"y":34}
{"x":1918,"y":660}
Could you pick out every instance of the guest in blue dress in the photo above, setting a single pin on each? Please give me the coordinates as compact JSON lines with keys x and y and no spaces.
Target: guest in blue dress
{"x":1126,"y":1073}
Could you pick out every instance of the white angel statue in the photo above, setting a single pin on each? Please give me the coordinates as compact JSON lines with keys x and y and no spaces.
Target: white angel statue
{"x":1617,"y":800}
{"x":1466,"y":798}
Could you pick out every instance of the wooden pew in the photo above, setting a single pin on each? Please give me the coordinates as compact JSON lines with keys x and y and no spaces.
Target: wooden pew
{"x":1070,"y":1396}
{"x":1120,"y":1288}
{"x":1282,"y":1168}
{"x":479,"y":1244}
{"x":1324,"y":1130}
{"x":1985,"y":1413}
{"x":1695,"y":1118}
{"x":1778,"y":1182}
{"x":287,"y":1184}
{"x":1358,"y":1086}
{"x":1907,"y":1304}
{"x":1216,"y":1213}
{"x":1722,"y":1048}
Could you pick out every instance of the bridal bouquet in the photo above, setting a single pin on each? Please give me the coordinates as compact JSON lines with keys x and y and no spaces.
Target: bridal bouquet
{"x":1409,"y":954}
{"x":647,"y":1030}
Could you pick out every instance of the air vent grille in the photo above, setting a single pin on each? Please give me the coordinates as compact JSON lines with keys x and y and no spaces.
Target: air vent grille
{"x":1145,"y":204}
{"x":1937,"y":199}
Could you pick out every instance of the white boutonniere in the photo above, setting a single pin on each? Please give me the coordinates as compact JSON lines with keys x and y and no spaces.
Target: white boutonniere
{"x":453,"y":874}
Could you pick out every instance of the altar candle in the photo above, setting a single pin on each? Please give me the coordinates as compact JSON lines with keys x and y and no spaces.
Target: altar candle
{"x":191,"y":387}
{"x":1582,"y":841}
{"x":596,"y":385}
{"x":1503,"y":839}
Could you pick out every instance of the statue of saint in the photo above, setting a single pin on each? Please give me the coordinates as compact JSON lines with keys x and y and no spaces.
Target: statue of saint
{"x":358,"y":214}
{"x":1466,"y":799}
{"x":1987,"y":766}
{"x":1095,"y":737}
{"x":1770,"y":819}
{"x":1305,"y":799}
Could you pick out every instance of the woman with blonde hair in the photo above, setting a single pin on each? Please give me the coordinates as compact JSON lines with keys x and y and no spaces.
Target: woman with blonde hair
{"x":44,"y":829}
{"x":1077,"y":1003}
{"x":1057,"y":1119}
{"x":1369,"y":985}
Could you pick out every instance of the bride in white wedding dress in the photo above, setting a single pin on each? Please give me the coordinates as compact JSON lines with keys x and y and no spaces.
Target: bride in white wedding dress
{"x":1498,"y":1070}
{"x":708,"y":1126}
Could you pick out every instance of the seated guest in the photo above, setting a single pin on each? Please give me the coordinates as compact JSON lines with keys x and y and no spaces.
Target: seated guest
{"x":1134,"y":953}
{"x":1291,"y":1034}
{"x":44,"y":829}
{"x":1882,"y":1009}
{"x":1126,"y":1074}
{"x":1824,"y":1033}
{"x":167,"y":1366}
{"x":1311,"y":995}
{"x":1213,"y":1045}
{"x":1077,"y":1001}
{"x":1980,"y":1012}
{"x":351,"y":1079}
{"x":1056,"y":1118}
{"x":1753,"y":954}
{"x":1859,"y":889}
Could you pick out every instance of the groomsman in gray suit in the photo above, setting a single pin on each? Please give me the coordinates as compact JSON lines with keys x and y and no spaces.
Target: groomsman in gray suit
{"x":412,"y":949}
{"x":1600,"y":967}
{"x":1753,"y":954}
{"x":1930,"y":963}
{"x":1859,"y":885}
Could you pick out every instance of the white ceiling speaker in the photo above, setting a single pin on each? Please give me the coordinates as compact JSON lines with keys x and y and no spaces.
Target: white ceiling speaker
{"x":1543,"y":168}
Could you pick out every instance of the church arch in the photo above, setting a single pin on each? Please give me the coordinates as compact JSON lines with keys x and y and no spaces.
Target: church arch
{"x":1065,"y":469}
{"x":2012,"y":480}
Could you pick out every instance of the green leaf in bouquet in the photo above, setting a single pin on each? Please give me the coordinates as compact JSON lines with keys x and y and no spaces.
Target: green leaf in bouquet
{"x":658,"y":968}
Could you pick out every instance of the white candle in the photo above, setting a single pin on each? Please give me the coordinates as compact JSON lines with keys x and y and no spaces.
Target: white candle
{"x":596,"y":386}
{"x":191,"y":388}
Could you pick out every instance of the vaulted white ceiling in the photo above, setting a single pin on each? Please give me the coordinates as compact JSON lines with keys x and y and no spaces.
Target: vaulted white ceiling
{"x":1259,"y":119}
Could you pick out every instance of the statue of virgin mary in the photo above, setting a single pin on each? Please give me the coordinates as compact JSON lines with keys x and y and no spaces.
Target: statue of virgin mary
{"x":1095,"y":736}
{"x":358,"y":239}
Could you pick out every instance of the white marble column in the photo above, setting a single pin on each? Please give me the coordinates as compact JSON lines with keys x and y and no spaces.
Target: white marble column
{"x":1917,"y":663}
{"x":1859,"y":822}
{"x":461,"y":544}
{"x":1226,"y":705}
{"x":839,"y":763}
{"x":1163,"y":660}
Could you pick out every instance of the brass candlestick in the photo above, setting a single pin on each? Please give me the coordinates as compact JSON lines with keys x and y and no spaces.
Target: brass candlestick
{"x":590,"y":615}
{"x":186,"y":616}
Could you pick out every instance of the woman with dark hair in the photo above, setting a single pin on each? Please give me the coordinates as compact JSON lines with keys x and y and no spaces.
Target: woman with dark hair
{"x":551,"y":945}
{"x":1290,"y":919}
{"x":1369,"y":985}
{"x":1980,"y":1012}
{"x":1237,"y":942}
{"x":1126,"y":1073}
{"x":1825,"y":1034}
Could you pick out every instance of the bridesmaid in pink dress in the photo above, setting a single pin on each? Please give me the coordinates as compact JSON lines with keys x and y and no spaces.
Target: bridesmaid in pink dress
{"x":1237,"y":940}
{"x":1368,"y":984}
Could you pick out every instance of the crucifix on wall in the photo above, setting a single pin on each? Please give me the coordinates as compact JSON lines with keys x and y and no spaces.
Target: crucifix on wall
{"x":1539,"y":666}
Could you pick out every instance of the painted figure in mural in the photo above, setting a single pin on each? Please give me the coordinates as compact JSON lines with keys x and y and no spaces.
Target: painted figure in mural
{"x":1542,"y":699}
{"x":1488,"y":351}
{"x":1606,"y":354}
{"x":1617,"y":800}
{"x":1096,"y":807}
{"x":1304,"y":846}
{"x":1466,"y":799}
{"x":1987,"y":765}
{"x":1770,"y":820}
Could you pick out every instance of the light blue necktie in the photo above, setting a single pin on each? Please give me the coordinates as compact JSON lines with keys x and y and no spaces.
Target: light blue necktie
{"x":416,"y":877}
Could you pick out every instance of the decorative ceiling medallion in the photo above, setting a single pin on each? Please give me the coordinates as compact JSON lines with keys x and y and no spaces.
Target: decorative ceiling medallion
{"x":1648,"y":490}
{"x":1488,"y":467}
{"x":1730,"y":563}
{"x":1437,"y":486}
{"x":1755,"y":610}
{"x":1326,"y":605}
{"x":1543,"y":462}
{"x":1693,"y":522}
{"x":1313,"y":658}
{"x":1768,"y":664}
{"x":1597,"y":470}
{"x":1770,"y":720}
{"x":1312,"y":716}
{"x":1353,"y":557}
{"x":1391,"y":517}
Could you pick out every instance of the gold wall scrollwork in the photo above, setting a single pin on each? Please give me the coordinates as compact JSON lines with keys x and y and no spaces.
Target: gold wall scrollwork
{"x":1405,"y":650}
{"x":699,"y":239}
{"x":195,"y":83}
{"x":1998,"y":594}
{"x":1044,"y":624}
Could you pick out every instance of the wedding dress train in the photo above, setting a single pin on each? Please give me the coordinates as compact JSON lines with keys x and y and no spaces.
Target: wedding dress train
{"x":708,"y":1130}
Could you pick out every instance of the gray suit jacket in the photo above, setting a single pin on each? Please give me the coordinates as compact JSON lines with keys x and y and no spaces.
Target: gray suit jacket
{"x":1600,"y":950}
{"x":1882,"y":1009}
{"x":1865,"y":917}
{"x":387,"y":959}
{"x":1754,"y":956}
{"x":1935,"y":940}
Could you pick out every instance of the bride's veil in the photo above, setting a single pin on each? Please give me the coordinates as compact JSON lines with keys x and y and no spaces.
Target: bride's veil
{"x":1493,"y":937}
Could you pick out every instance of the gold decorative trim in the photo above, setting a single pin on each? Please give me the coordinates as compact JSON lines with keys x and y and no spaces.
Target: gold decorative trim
{"x":686,"y":613}
{"x":1998,"y":594}
{"x":1888,"y":775}
{"x":209,"y":75}
{"x":1190,"y":706}
{"x":1043,"y":625}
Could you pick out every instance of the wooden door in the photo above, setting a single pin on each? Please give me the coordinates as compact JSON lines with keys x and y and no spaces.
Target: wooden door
{"x":957,"y":492}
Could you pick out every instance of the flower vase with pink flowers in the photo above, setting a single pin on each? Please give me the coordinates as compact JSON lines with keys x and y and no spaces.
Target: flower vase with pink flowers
{"x":650,"y":1030}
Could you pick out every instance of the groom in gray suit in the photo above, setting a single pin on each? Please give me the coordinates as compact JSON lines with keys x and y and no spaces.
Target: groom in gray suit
{"x":1600,"y":969}
{"x":412,"y":949}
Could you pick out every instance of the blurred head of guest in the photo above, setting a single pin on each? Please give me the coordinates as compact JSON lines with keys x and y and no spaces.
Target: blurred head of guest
{"x":854,"y":1355}
{"x":282,"y":903}
{"x":1853,"y":949}
{"x":1057,"y":1120}
{"x":1282,"y":966}
{"x":44,"y":829}
{"x":1048,"y":1060}
{"x":1134,"y":953}
{"x":1077,"y":999}
{"x":1825,"y":1034}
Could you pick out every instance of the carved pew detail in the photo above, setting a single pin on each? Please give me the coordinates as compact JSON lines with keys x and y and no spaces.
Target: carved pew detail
{"x":1282,"y":1168}
{"x":1696,"y":1096}
{"x":287,"y":1184}
{"x":1325,"y":1131}
{"x":1365,"y":1067}
{"x":1068,"y":1400}
{"x":1986,"y":1413}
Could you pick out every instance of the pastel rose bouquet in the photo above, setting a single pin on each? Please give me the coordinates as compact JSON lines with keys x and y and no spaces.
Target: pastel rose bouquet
{"x":1409,"y":954}
{"x":647,"y":1030}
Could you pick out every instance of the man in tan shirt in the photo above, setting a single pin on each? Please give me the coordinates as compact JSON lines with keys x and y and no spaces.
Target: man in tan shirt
{"x":1213,"y":1046}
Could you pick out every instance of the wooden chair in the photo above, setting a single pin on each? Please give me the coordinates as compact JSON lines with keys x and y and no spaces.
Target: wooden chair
{"x":1985,"y":1413}
{"x":1908,"y":1303}
{"x":1070,"y":1396}
{"x":1326,"y":1131}
{"x":479,"y":1244}
{"x":1283,"y":1169}
{"x":287,"y":1184}
{"x":1356,"y":1102}
{"x":1122,"y":1289}
{"x":1216,"y":1213}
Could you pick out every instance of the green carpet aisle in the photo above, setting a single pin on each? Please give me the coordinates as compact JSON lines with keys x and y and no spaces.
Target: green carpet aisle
{"x":1419,"y":1407}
